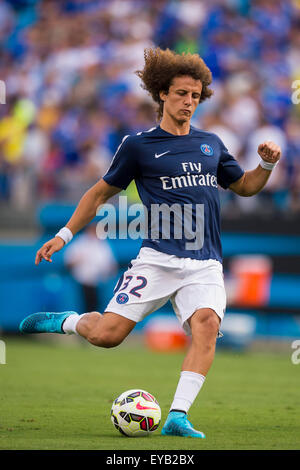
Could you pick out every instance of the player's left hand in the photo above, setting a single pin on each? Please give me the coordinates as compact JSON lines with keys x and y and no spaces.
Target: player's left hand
{"x":269,"y":152}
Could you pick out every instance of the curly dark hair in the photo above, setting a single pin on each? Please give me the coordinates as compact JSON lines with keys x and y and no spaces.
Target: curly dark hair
{"x":162,"y":66}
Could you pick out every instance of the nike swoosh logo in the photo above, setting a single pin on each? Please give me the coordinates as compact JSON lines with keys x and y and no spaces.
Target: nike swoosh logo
{"x":141,"y":407}
{"x":157,"y":155}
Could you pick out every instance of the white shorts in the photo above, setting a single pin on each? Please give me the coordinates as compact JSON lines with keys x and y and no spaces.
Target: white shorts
{"x":154,"y":277}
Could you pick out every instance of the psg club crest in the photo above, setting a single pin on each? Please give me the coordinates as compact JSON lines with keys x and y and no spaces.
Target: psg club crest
{"x":122,"y":298}
{"x":206,"y":149}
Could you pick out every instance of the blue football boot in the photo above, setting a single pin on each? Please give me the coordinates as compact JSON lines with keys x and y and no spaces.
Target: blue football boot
{"x":44,"y":322}
{"x":177,"y":424}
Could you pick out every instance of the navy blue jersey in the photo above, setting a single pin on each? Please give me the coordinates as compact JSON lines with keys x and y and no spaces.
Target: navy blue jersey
{"x":177,"y":179}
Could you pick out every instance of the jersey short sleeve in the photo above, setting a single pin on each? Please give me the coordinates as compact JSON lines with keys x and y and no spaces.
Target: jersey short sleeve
{"x":229,"y":170}
{"x":123,"y":168}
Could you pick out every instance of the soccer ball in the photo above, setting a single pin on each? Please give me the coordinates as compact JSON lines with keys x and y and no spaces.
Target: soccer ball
{"x":135,"y":413}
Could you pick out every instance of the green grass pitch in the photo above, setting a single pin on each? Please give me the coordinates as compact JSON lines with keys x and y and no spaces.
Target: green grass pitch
{"x":58,"y":395}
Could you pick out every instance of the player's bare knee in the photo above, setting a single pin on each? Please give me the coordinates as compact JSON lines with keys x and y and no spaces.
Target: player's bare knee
{"x":90,"y":319}
{"x":208,"y":322}
{"x":212,"y":325}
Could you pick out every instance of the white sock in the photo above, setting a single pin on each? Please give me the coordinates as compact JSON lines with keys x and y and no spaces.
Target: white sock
{"x":69,"y":325}
{"x":188,"y":387}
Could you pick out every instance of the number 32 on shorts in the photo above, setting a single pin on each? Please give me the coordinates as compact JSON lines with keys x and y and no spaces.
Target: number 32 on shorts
{"x":134,"y":283}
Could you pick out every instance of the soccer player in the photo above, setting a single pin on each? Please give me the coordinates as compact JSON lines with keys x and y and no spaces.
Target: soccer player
{"x":177,"y":167}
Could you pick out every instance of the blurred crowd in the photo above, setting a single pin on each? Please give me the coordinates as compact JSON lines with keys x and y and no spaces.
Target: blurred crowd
{"x":71,"y":92}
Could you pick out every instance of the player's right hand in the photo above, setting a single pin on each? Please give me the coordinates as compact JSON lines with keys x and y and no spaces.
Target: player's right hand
{"x":47,"y":250}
